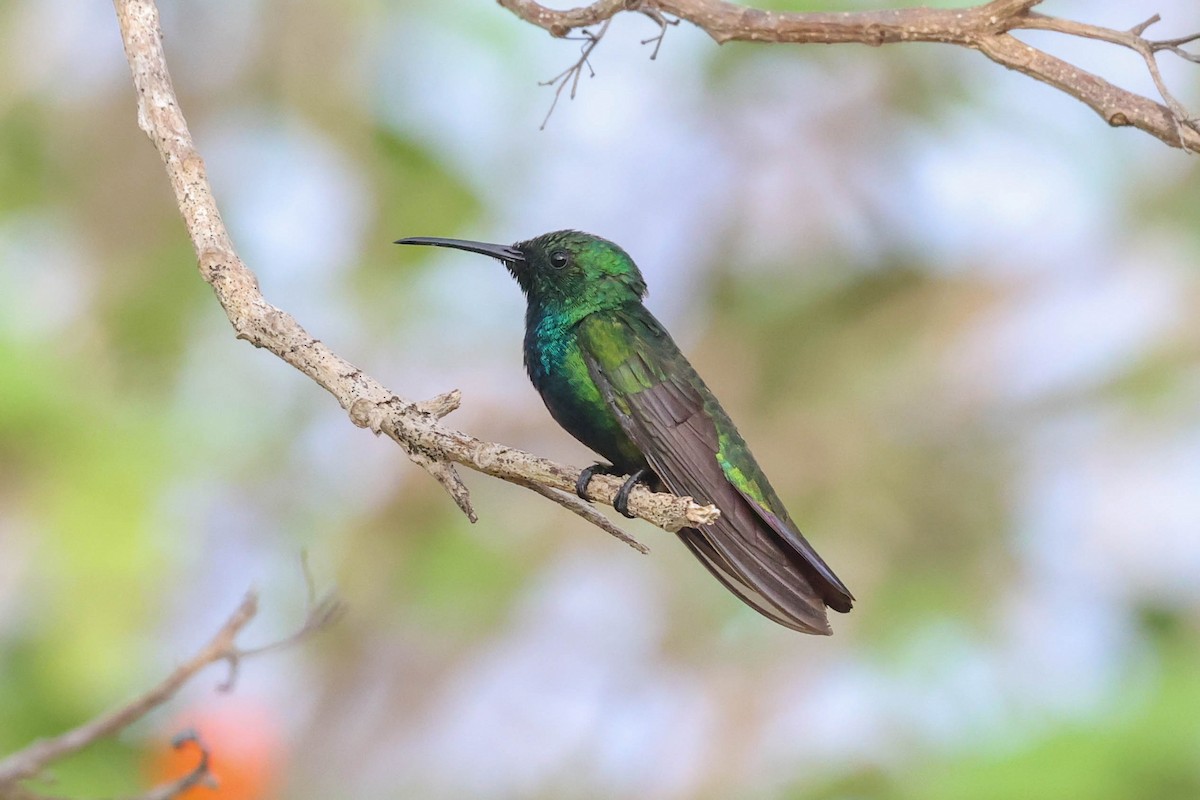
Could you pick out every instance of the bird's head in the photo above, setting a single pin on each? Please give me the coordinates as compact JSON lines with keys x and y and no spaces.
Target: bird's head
{"x":564,"y":270}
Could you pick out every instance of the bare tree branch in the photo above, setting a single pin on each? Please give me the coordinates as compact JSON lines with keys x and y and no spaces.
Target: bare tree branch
{"x":414,"y":426}
{"x":1148,"y":49}
{"x":33,"y":760}
{"x":987,"y":28}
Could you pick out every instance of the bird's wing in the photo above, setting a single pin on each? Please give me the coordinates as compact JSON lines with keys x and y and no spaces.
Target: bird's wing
{"x":660,"y":403}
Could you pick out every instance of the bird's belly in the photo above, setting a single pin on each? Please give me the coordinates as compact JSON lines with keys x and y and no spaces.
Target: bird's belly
{"x":576,"y":404}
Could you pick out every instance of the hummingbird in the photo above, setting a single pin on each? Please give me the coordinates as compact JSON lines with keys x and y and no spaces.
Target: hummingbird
{"x":612,"y":377}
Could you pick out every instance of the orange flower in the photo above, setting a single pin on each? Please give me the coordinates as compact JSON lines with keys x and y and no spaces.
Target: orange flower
{"x":245,"y":751}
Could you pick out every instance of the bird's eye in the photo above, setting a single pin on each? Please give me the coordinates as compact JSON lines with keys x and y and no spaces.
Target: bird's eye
{"x":559,"y":259}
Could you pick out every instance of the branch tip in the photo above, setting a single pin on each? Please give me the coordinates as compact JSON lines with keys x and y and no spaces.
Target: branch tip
{"x":661,"y":20}
{"x":1140,"y":28}
{"x":442,"y":405}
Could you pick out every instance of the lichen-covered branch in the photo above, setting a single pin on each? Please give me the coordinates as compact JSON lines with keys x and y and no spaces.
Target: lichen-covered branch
{"x":414,"y":426}
{"x":987,"y":28}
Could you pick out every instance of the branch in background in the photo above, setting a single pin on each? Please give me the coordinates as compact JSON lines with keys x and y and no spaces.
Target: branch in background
{"x":414,"y":426}
{"x":573,"y":73}
{"x":986,"y":28}
{"x":34,"y":759}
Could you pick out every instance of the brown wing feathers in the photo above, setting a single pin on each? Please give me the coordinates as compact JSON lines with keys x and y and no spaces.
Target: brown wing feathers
{"x":668,"y":423}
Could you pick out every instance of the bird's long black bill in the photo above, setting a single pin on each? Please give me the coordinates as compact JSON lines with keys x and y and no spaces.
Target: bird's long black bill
{"x":503,"y":252}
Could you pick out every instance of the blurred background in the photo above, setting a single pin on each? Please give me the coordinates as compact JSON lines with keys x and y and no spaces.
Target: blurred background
{"x":952,"y":311}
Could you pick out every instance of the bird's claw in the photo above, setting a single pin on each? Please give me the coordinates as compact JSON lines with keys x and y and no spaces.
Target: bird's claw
{"x":585,"y":477}
{"x":621,"y":502}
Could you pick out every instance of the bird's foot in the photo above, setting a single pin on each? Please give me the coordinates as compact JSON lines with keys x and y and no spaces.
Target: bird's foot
{"x":621,"y":502}
{"x":585,"y":478}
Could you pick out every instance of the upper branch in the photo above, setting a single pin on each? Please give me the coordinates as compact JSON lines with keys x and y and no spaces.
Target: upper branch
{"x":984,"y":27}
{"x":727,"y":22}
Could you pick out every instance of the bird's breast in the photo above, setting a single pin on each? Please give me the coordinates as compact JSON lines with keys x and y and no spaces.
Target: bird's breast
{"x":556,"y":367}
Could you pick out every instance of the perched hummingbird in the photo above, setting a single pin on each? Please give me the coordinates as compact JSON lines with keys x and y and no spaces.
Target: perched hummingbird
{"x":611,"y":375}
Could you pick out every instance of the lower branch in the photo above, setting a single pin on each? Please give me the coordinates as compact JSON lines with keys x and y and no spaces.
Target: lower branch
{"x":34,"y":759}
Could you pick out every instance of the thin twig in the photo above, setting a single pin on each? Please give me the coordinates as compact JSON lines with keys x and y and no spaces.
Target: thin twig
{"x":1176,"y":46}
{"x":573,"y":73}
{"x":588,"y":512}
{"x":986,"y":27}
{"x":320,"y":611}
{"x":661,"y":20}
